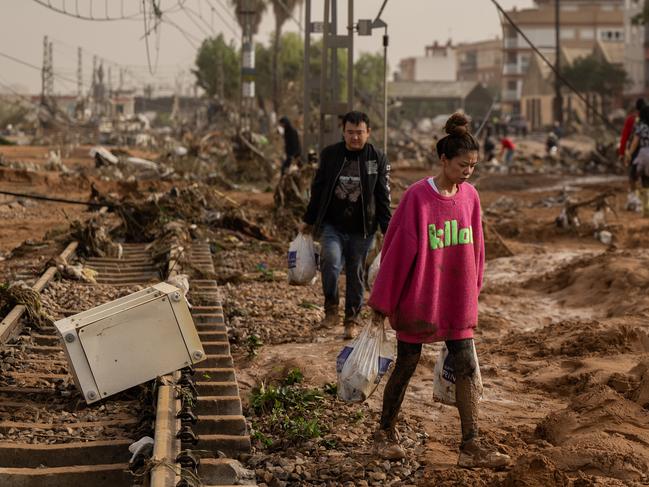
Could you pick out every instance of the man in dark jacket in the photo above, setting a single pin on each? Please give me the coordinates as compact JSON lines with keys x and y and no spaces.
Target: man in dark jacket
{"x":350,"y":199}
{"x":291,"y":143}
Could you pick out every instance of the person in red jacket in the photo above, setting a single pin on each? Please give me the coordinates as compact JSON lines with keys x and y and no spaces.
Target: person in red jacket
{"x":625,"y":139}
{"x":428,"y":284}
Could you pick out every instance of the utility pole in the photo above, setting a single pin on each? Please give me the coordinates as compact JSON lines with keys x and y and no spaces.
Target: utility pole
{"x":326,"y":90}
{"x":47,"y":72}
{"x":558,"y":101}
{"x":79,"y":73}
{"x":44,"y":71}
{"x":50,"y":84}
{"x":93,"y":88}
{"x":247,"y":68}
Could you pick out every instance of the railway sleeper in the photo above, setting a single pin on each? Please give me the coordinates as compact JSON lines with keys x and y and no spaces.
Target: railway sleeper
{"x":109,"y":475}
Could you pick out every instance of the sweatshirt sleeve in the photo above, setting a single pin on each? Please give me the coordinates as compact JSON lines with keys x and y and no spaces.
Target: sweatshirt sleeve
{"x":397,"y":257}
{"x":478,"y":241}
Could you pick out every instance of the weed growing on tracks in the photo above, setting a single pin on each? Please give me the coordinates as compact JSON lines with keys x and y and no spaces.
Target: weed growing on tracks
{"x":288,"y":413}
{"x":253,"y":344}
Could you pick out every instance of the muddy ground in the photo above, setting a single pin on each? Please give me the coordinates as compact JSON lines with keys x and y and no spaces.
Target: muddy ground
{"x":562,"y":343}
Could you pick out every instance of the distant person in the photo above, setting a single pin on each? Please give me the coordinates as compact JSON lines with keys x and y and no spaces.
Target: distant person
{"x":552,"y":144}
{"x":637,"y":157}
{"x":489,"y":148}
{"x":292,"y":146}
{"x":350,"y":200}
{"x":428,"y":285}
{"x":507,"y":149}
{"x":625,"y":141}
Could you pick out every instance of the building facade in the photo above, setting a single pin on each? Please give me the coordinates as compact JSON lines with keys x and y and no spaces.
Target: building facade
{"x":635,"y":60}
{"x":481,"y":61}
{"x":582,"y":24}
{"x":438,"y":64}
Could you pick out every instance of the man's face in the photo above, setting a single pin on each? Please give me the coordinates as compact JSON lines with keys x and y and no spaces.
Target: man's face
{"x":355,"y":135}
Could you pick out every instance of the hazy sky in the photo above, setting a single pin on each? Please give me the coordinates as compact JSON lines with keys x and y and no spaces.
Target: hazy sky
{"x":23,"y":23}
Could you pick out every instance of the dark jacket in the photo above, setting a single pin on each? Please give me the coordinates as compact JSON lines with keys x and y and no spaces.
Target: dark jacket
{"x":291,"y":141}
{"x":375,"y":187}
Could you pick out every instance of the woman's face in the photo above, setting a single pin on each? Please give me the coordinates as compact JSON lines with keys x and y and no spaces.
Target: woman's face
{"x":460,"y":168}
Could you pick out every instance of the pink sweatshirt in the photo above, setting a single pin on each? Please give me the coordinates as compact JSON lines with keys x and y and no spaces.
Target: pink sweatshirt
{"x":431,"y":265}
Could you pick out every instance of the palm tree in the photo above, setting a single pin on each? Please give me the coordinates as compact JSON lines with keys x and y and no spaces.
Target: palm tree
{"x":242,"y":9}
{"x":282,"y":9}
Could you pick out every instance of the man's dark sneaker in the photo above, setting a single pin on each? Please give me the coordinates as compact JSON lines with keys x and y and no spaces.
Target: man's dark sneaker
{"x":386,"y":445}
{"x":475,"y":453}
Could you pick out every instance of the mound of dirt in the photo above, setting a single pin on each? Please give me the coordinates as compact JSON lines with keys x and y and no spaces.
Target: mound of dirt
{"x":577,"y":338}
{"x":599,"y":433}
{"x":536,"y":470}
{"x":614,"y":283}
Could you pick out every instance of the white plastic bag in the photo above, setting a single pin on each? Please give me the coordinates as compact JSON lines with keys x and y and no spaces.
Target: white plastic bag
{"x":444,"y":378}
{"x":362,"y":362}
{"x":633,"y":202}
{"x":374,"y":270}
{"x":302,"y":261}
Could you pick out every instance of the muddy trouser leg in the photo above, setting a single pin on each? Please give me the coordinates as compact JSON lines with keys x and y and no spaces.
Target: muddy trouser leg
{"x":407,"y":358}
{"x":466,"y":391}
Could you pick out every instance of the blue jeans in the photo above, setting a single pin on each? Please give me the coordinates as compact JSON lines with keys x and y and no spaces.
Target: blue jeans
{"x":338,"y":248}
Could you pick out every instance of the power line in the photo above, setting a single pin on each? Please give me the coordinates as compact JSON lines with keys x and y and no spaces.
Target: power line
{"x":156,"y":16}
{"x":552,"y":67}
{"x":290,"y":14}
{"x":187,"y":11}
{"x":226,"y":22}
{"x":77,"y":15}
{"x":33,"y":66}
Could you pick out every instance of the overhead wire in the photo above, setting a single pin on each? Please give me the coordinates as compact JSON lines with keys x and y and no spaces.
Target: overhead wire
{"x":291,"y":16}
{"x":227,"y":23}
{"x":78,"y":15}
{"x":155,"y":16}
{"x":33,"y":66}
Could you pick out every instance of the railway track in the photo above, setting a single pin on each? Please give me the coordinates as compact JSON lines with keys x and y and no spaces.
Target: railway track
{"x":49,"y":436}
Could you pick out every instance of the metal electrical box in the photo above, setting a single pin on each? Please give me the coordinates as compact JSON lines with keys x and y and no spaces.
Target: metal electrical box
{"x":129,"y":341}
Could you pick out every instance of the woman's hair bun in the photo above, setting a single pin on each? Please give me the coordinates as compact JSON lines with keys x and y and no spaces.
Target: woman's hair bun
{"x":457,"y":124}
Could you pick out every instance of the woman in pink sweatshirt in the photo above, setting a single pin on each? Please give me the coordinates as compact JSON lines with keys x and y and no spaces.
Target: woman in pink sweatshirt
{"x":428,"y":285}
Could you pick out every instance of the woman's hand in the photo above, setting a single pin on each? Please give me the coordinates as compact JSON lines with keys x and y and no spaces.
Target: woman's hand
{"x":377,"y":317}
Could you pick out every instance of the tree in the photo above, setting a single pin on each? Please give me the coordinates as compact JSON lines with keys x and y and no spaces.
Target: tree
{"x":217,"y":67}
{"x":243,"y":9}
{"x":368,"y":74}
{"x":282,"y":10}
{"x":291,"y":60}
{"x":593,"y":75}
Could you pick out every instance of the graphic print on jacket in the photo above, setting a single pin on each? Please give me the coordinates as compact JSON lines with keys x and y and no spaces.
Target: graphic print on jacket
{"x":449,"y":235}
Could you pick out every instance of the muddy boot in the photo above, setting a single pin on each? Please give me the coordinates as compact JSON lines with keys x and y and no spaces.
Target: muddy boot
{"x":331,"y":319}
{"x":350,"y":328}
{"x":475,"y":453}
{"x":386,"y":445}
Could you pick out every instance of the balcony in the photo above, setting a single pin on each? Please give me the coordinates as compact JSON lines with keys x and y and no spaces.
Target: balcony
{"x":511,"y":42}
{"x":512,"y":68}
{"x":510,"y":95}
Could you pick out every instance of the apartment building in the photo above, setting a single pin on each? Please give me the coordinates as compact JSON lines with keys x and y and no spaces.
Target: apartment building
{"x":635,"y":61}
{"x":582,"y":24}
{"x":439,"y":63}
{"x":481,"y":61}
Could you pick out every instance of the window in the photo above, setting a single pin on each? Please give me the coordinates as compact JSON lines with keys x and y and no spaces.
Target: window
{"x":567,"y":33}
{"x":511,"y":85}
{"x":612,"y":35}
{"x":586,"y":34}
